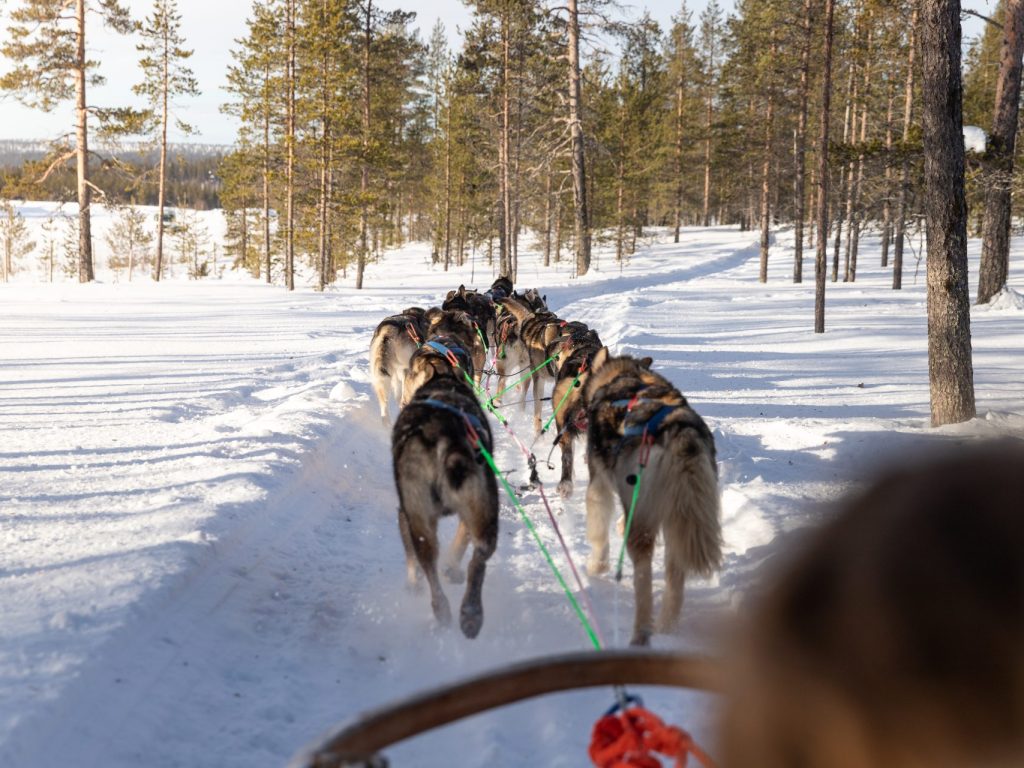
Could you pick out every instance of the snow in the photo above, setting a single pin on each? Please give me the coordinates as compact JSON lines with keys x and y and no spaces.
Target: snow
{"x":975,"y":139}
{"x":200,"y":562}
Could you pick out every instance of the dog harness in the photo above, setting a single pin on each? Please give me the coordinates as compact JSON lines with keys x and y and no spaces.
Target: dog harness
{"x":452,"y":354}
{"x":471,"y":421}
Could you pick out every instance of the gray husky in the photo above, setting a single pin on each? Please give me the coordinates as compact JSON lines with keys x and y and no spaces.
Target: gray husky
{"x":392,"y":346}
{"x":635,"y":415}
{"x":439,"y":471}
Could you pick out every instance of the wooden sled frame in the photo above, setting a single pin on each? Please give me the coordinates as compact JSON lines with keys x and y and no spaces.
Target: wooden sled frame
{"x":358,"y":742}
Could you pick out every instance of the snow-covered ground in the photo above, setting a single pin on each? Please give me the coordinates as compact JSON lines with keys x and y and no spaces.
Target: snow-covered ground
{"x":199,"y":560}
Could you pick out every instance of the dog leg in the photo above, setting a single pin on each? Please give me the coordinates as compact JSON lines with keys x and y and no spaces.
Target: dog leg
{"x":538,"y":393}
{"x":471,"y":615}
{"x":641,"y":550}
{"x":457,"y":550}
{"x":600,"y":508}
{"x":675,"y":575}
{"x":423,"y":533}
{"x":412,"y":574}
{"x":380,"y":388}
{"x":566,"y":441}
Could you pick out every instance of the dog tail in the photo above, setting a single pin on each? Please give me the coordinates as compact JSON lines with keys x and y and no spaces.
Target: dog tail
{"x":379,"y":352}
{"x":692,"y":527}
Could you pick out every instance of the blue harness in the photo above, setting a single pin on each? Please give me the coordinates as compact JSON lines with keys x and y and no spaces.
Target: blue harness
{"x":650,"y":427}
{"x":472,"y":420}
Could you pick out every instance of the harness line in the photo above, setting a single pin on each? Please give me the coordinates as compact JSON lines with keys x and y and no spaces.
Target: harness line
{"x":527,"y":376}
{"x":588,"y":628}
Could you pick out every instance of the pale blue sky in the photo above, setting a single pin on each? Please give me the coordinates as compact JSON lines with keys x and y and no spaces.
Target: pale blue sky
{"x":211,"y":26}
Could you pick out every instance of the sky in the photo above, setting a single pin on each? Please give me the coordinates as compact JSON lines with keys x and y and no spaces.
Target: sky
{"x":210,"y":27}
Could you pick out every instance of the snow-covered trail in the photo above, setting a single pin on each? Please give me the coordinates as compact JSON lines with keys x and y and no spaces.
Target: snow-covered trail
{"x":200,"y":559}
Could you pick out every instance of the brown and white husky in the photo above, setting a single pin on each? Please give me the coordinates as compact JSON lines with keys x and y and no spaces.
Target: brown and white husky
{"x":636,"y":416}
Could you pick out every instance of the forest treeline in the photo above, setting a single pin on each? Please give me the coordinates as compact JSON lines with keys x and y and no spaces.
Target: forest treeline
{"x":377,"y":137}
{"x":549,"y":126}
{"x":125,"y":176}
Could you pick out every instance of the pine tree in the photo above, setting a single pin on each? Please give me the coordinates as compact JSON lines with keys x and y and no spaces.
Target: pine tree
{"x":129,"y":240}
{"x":950,"y":368}
{"x":165,"y":76}
{"x":47,"y":45}
{"x":255,"y":80}
{"x":14,"y":239}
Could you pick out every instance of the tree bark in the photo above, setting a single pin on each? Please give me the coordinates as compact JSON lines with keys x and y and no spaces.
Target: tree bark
{"x":801,"y":148}
{"x":950,"y":369}
{"x":887,"y":201}
{"x":845,"y":178}
{"x":995,"y":242}
{"x":504,"y":155}
{"x":289,"y":255}
{"x":766,"y":175}
{"x":579,"y":172}
{"x":364,"y":171}
{"x":904,"y":193}
{"x":162,"y":184}
{"x":820,"y":261}
{"x":266,"y":171}
{"x":85,"y":270}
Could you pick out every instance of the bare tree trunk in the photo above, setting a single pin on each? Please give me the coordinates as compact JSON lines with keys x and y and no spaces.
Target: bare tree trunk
{"x":801,"y":148}
{"x":289,"y":254}
{"x":950,"y":369}
{"x":844,"y":178}
{"x":820,"y":261}
{"x":708,"y":115}
{"x":855,"y":212}
{"x":325,"y":123}
{"x":364,"y":171}
{"x":85,"y":270}
{"x":547,"y":217}
{"x":995,"y":243}
{"x":162,"y":182}
{"x":266,"y":172}
{"x":677,"y":202}
{"x":505,"y":151}
{"x":448,"y":184}
{"x":766,"y":175}
{"x":579,"y":173}
{"x":904,"y":193}
{"x":887,"y":200}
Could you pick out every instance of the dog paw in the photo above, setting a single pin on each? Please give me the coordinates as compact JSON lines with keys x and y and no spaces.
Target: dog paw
{"x":641,"y":639}
{"x":471,"y":619}
{"x":597,"y":567}
{"x":620,"y":525}
{"x":454,"y":574}
{"x":565,"y":489}
{"x":442,"y":612}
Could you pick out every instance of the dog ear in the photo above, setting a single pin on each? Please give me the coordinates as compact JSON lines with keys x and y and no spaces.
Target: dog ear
{"x":462,"y":290}
{"x":646,"y":362}
{"x":600,"y":358}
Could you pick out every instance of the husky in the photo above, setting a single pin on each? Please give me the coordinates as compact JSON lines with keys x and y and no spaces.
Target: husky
{"x":439,"y":354}
{"x":577,"y":350}
{"x":501,"y":288}
{"x":532,"y":299}
{"x":538,"y":332}
{"x":460,"y":326}
{"x":636,"y":416}
{"x":439,"y":471}
{"x":393,"y":344}
{"x":477,"y":306}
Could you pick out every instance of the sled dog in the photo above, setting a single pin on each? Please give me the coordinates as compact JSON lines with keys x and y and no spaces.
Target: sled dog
{"x":438,"y":355}
{"x":538,"y":332}
{"x":439,"y":471}
{"x":576,"y":354}
{"x":635,"y":415}
{"x":393,"y":343}
{"x":477,"y":306}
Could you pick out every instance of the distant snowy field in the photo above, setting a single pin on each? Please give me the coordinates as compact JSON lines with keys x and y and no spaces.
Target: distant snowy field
{"x":199,"y":560}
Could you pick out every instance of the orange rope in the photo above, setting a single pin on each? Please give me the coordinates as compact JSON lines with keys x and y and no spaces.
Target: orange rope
{"x":628,"y":739}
